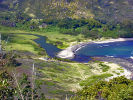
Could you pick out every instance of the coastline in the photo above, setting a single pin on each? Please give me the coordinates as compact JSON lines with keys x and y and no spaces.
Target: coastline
{"x":125,"y":73}
{"x":69,"y":52}
{"x":114,"y":40}
{"x":126,"y":63}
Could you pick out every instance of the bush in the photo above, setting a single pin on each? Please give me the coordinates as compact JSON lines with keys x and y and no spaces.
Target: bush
{"x":119,"y":88}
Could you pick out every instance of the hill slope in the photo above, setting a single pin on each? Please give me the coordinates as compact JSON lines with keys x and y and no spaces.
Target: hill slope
{"x":111,"y":10}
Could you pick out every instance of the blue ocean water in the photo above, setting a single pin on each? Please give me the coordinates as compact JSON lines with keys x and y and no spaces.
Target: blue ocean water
{"x":121,"y":49}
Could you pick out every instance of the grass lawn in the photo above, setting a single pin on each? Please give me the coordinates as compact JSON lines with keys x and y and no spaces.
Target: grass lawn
{"x":21,"y":42}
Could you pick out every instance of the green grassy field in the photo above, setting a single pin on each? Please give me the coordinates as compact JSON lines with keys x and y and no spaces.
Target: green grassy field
{"x":72,"y":76}
{"x":22,"y":42}
{"x":52,"y":36}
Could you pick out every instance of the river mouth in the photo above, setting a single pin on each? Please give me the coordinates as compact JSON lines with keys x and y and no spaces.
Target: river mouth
{"x":121,"y":49}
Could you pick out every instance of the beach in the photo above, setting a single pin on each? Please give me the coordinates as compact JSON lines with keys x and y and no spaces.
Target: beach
{"x":126,"y":63}
{"x":69,"y":52}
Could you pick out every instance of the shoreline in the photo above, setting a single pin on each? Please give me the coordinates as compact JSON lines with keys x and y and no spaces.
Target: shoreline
{"x":114,"y":40}
{"x":69,"y":53}
{"x":125,"y":63}
{"x":126,"y":73}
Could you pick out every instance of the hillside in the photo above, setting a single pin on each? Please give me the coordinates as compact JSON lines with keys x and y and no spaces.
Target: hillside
{"x":108,"y":10}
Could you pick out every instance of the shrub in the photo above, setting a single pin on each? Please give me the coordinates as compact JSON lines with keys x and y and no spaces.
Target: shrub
{"x":119,"y":88}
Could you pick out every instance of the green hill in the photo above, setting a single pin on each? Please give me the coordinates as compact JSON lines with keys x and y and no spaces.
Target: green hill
{"x":110,"y":10}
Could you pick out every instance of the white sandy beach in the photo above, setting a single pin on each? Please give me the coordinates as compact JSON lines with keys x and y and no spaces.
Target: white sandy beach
{"x":115,"y":40}
{"x":68,"y":53}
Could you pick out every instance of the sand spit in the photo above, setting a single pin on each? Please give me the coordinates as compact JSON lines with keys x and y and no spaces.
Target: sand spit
{"x":69,"y":52}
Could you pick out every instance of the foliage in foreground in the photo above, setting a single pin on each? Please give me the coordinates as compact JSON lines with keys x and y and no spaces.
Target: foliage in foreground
{"x":119,"y":88}
{"x":6,"y":87}
{"x":12,"y":88}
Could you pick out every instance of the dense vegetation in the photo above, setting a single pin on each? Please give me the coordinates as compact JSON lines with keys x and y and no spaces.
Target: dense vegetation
{"x":111,"y":10}
{"x":22,"y":88}
{"x":91,"y":18}
{"x":11,"y":87}
{"x":118,"y":88}
{"x":89,"y":28}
